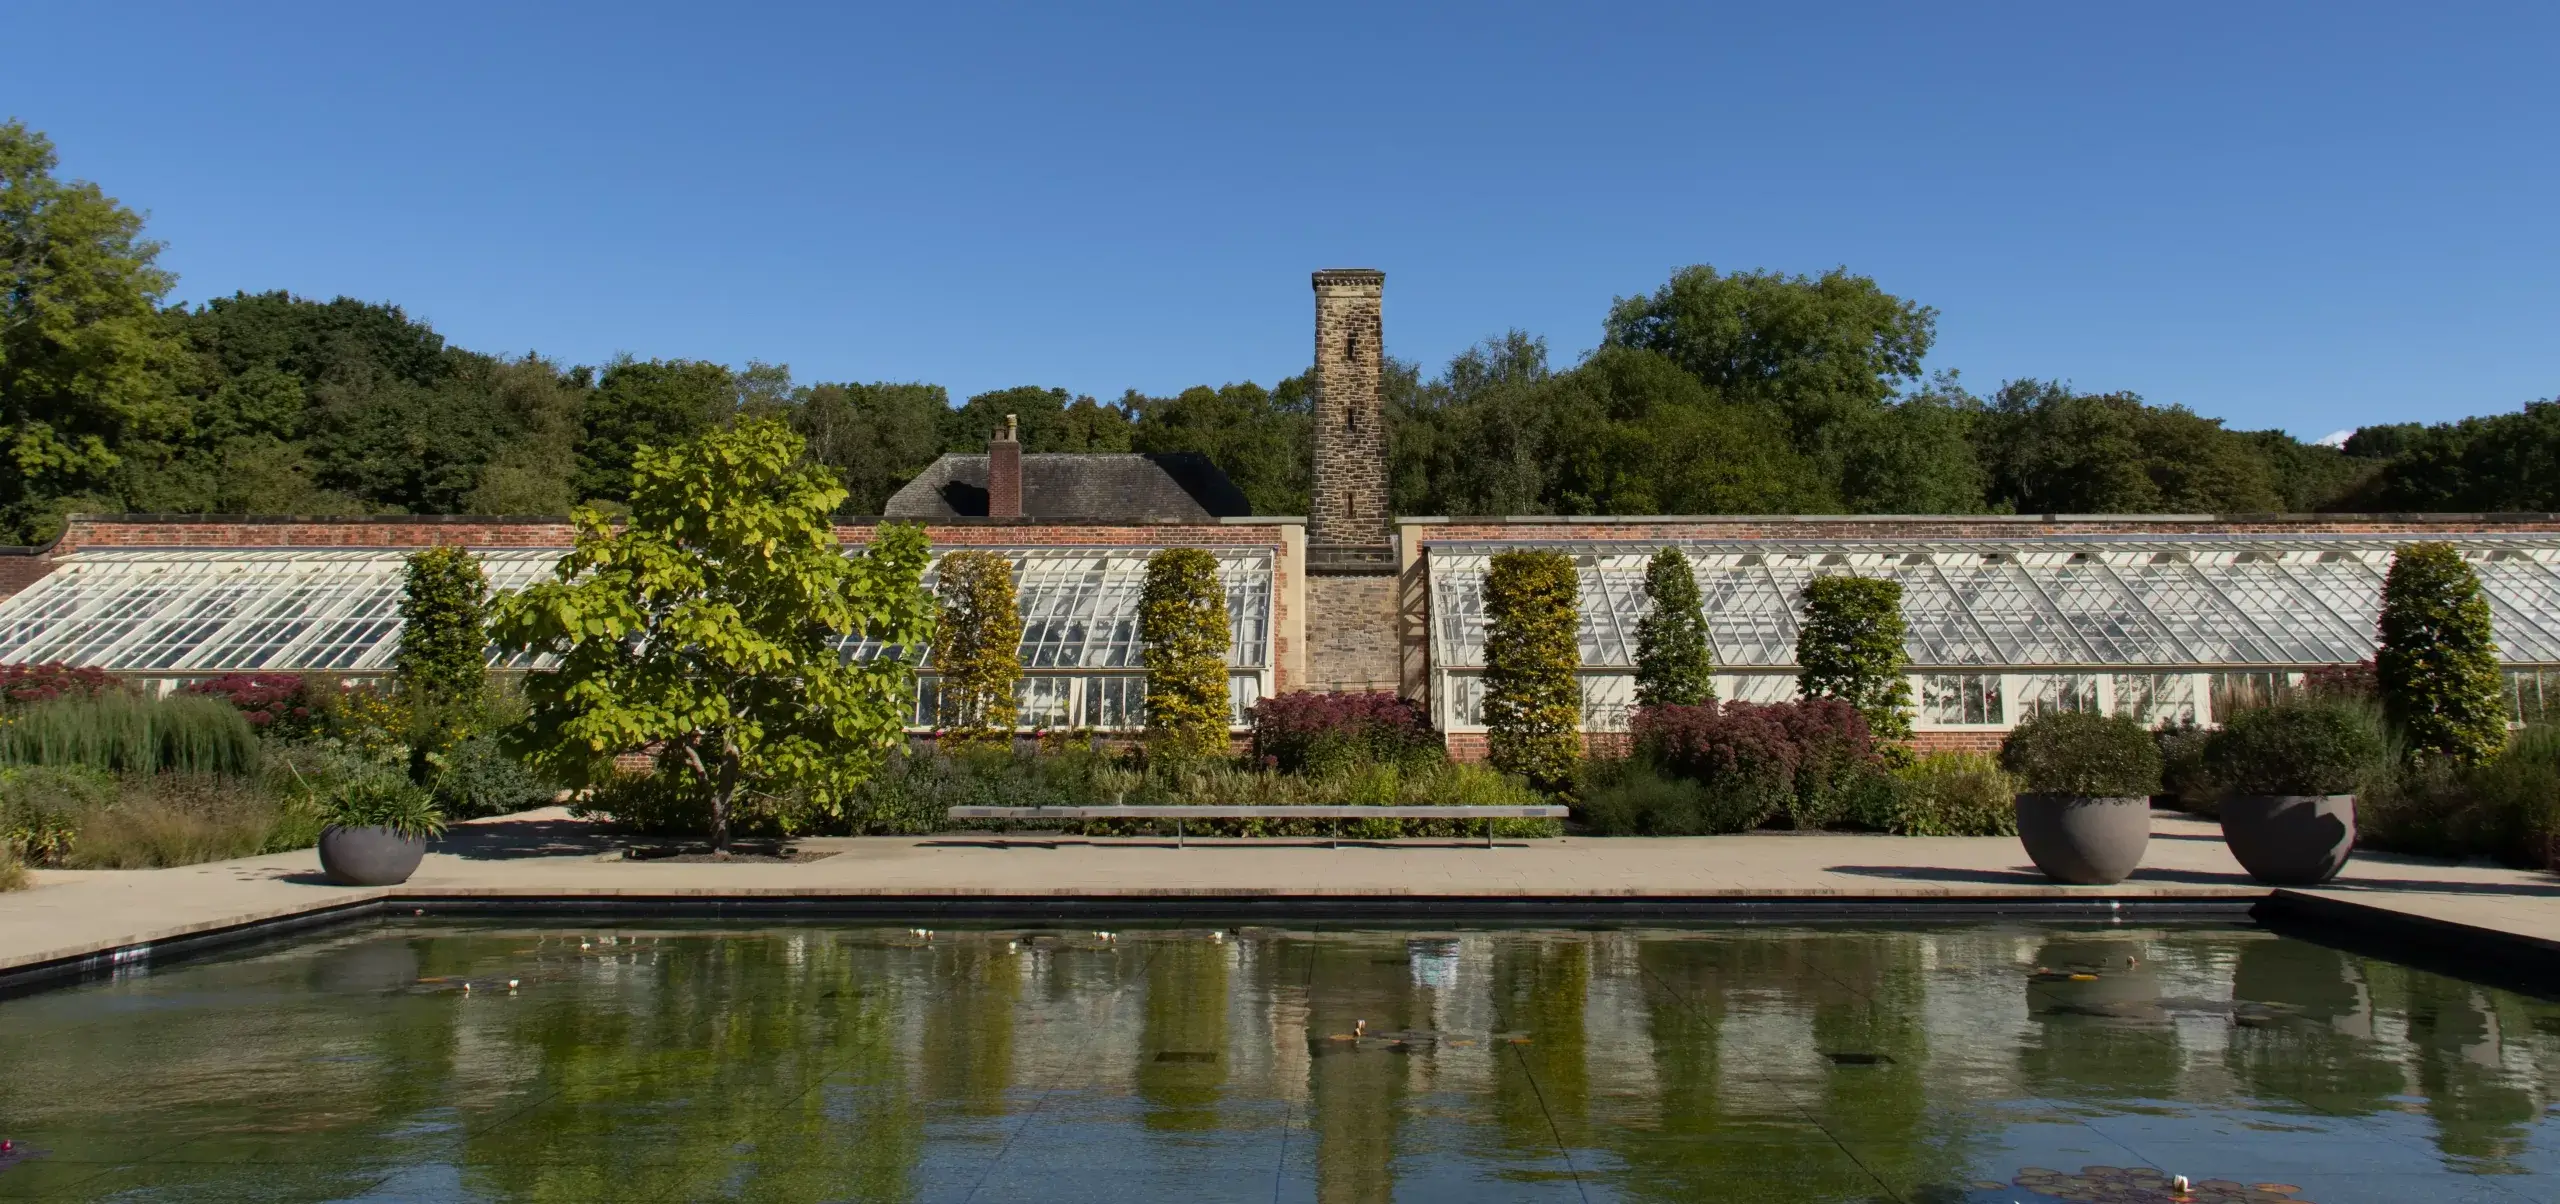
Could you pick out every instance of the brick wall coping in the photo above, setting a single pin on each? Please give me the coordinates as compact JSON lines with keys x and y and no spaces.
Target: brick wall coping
{"x":398,"y":531}
{"x":1940,"y":520}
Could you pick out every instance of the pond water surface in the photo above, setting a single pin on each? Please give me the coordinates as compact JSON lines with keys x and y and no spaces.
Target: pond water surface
{"x":1990,"y":1063}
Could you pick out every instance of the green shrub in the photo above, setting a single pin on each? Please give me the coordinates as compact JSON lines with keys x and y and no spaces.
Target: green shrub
{"x":2295,"y":746}
{"x":444,"y":630}
{"x":13,"y":872}
{"x":131,"y":733}
{"x":2081,"y":753}
{"x":977,"y":642}
{"x":2512,"y":809}
{"x":1956,"y":794}
{"x":477,"y":777}
{"x":1532,"y":699}
{"x":41,"y":808}
{"x":658,"y":804}
{"x":2184,"y":776}
{"x":1851,"y":648}
{"x":1306,"y":731}
{"x":1675,"y":663}
{"x":1632,"y":797}
{"x":2438,"y":662}
{"x":1182,"y":620}
{"x":171,"y":819}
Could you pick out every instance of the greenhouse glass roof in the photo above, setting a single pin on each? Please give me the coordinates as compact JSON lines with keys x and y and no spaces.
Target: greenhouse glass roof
{"x":203,"y":611}
{"x":2169,"y":602}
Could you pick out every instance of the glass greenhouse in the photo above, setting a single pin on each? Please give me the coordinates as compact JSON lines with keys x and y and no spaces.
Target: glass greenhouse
{"x":172,"y":615}
{"x":2165,"y":628}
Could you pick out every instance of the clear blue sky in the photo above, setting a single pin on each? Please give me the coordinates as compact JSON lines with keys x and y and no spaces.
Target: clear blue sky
{"x":2308,"y":216}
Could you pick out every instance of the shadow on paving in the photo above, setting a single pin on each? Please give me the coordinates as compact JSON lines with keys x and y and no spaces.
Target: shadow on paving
{"x":508,"y":840}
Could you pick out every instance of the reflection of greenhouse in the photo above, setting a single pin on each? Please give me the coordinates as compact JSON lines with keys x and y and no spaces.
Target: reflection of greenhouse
{"x":179,"y":614}
{"x":2166,"y":628}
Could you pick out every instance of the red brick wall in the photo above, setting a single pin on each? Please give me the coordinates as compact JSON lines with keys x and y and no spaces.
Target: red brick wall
{"x":1974,"y":742}
{"x":20,"y":570}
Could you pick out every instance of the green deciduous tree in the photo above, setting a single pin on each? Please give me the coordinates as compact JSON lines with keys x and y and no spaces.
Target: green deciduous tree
{"x":647,"y":403}
{"x":709,"y":627}
{"x":88,"y":363}
{"x":1182,"y":622}
{"x":1532,"y":697}
{"x":977,"y":643}
{"x":444,"y":627}
{"x":1259,"y":439}
{"x":877,"y":436}
{"x":1675,"y":665}
{"x":2438,"y":660}
{"x":1850,"y":648}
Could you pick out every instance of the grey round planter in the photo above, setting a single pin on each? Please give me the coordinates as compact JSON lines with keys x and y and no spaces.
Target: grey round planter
{"x":369,"y":856}
{"x":2084,"y":841}
{"x":2290,"y":839}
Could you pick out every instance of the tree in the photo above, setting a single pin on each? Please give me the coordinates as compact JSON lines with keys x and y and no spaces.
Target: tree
{"x":1532,"y":697}
{"x":2438,"y":660}
{"x":710,"y":626}
{"x":1182,"y":623}
{"x":1850,"y":648}
{"x":444,"y":627}
{"x":1262,"y":445}
{"x":1822,"y":349}
{"x":1675,"y":666}
{"x":977,"y":644}
{"x":2051,"y":450}
{"x":877,"y":436}
{"x":87,"y":360}
{"x":646,"y":403}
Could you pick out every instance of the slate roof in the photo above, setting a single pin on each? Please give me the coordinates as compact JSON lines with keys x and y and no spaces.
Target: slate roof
{"x":1162,"y":486}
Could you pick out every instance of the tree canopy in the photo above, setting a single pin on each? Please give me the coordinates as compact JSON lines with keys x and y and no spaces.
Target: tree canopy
{"x":1712,"y":392}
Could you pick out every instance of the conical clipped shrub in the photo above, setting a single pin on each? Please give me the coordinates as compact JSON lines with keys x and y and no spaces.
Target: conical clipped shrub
{"x":1182,"y":621}
{"x":1851,"y":649}
{"x":2438,"y":663}
{"x":977,"y":642}
{"x":1675,"y":666}
{"x":444,"y":627}
{"x":1532,"y":702}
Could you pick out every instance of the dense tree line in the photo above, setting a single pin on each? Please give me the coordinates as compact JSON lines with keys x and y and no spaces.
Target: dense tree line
{"x":1752,"y":392}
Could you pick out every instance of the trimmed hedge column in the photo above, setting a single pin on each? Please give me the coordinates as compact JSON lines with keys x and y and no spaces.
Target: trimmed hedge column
{"x":1675,"y":666}
{"x":1182,"y":621}
{"x":1851,"y":649}
{"x":1532,"y":702}
{"x":977,"y":641}
{"x":444,"y":629}
{"x":2438,"y":663}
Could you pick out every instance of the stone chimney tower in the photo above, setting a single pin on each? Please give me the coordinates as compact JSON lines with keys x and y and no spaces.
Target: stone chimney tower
{"x":1349,"y":507}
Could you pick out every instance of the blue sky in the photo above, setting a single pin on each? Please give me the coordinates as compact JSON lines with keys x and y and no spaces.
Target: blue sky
{"x":2308,"y":216}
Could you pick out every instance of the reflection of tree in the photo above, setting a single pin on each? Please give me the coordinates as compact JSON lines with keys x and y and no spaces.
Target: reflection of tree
{"x":1355,"y":1097}
{"x":1883,"y":1107}
{"x":746,"y":1067}
{"x":967,"y":1056}
{"x":2106,"y":1037}
{"x":1186,"y":1017}
{"x":1539,"y":988}
{"x":2302,"y":1030}
{"x":2456,"y":1035}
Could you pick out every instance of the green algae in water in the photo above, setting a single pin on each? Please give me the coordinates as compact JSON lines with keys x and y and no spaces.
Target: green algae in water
{"x":1995,"y":1063}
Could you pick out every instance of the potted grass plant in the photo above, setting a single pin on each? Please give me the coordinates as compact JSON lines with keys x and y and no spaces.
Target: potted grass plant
{"x":2085,"y":815}
{"x":2289,"y":772}
{"x":378,"y":826}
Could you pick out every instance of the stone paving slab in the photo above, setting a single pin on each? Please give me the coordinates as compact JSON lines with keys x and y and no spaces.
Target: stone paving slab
{"x":546,"y":854}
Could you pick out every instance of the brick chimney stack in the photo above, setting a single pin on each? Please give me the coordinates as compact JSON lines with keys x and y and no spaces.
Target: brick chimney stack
{"x":1004,"y":473}
{"x":1350,"y":497}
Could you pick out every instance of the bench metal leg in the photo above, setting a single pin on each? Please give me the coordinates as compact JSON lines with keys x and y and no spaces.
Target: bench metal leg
{"x":1488,"y":833}
{"x":1177,"y":832}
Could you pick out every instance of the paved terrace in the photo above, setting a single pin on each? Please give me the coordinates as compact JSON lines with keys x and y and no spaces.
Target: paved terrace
{"x":548,"y":855}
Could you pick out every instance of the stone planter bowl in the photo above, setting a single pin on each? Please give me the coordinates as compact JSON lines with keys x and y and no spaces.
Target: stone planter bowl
{"x":2290,"y":839}
{"x":369,"y":856}
{"x":2084,"y":841}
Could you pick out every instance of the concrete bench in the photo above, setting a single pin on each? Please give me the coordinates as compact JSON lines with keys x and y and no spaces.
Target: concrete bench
{"x":1215,"y":811}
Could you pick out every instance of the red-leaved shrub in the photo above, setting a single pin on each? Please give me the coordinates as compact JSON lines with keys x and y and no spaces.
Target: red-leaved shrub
{"x":1811,"y":763}
{"x":1304,"y":730}
{"x":277,"y":704}
{"x":53,"y":679}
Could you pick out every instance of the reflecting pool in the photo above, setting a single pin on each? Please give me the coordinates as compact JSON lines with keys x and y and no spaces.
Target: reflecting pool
{"x":1984,"y":1063}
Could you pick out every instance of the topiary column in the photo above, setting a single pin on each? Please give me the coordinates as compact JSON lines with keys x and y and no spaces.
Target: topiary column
{"x":444,"y":627}
{"x":1182,"y":621}
{"x":1532,"y":702}
{"x":1674,"y":664}
{"x":977,"y":641}
{"x":2438,"y":664}
{"x":1851,"y":649}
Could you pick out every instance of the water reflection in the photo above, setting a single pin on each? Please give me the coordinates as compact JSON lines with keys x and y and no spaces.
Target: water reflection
{"x":813,"y":1063}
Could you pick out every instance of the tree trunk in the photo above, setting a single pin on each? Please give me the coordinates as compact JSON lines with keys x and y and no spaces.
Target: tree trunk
{"x":723,"y":790}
